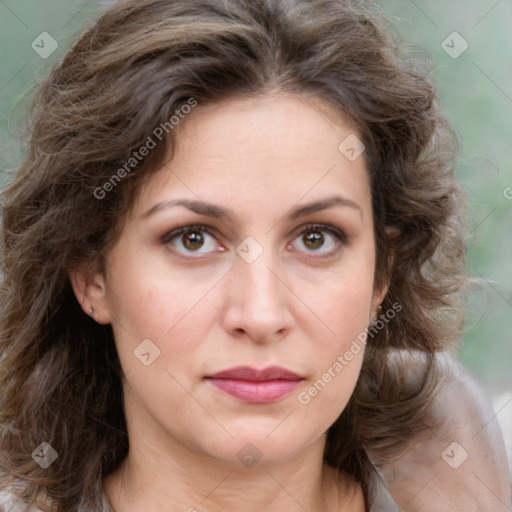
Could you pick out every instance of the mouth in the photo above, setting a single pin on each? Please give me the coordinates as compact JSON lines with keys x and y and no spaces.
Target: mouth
{"x":256,"y":386}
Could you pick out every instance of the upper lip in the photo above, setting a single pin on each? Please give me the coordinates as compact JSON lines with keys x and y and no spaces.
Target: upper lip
{"x":248,"y":373}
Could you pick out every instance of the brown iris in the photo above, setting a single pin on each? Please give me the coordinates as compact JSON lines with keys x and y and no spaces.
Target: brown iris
{"x":315,"y":238}
{"x":193,"y":240}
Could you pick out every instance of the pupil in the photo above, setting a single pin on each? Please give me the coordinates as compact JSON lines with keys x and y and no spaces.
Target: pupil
{"x":194,"y":238}
{"x":316,"y":238}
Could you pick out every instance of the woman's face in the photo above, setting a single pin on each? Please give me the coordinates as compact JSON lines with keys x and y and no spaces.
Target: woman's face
{"x":268,"y":277}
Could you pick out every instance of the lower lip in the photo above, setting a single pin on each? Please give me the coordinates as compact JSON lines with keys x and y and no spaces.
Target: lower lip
{"x":256,"y":392}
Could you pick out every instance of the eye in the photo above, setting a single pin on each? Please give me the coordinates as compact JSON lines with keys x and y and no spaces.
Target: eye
{"x":191,"y":239}
{"x":313,"y":239}
{"x":197,"y":238}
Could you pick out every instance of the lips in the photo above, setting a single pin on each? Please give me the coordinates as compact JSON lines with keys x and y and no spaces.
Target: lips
{"x":256,"y":386}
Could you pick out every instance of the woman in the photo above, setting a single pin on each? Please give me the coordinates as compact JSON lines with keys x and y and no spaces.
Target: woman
{"x":233,"y":262}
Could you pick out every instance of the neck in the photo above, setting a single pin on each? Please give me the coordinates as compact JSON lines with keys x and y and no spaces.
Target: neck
{"x":152,"y":479}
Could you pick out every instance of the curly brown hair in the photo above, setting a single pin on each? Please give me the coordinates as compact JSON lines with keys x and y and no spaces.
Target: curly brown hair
{"x":130,"y":70}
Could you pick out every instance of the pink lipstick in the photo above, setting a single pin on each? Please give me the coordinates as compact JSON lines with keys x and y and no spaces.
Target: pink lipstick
{"x":256,"y":386}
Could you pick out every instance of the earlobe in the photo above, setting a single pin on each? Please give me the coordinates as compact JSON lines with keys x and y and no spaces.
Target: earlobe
{"x":90,"y":291}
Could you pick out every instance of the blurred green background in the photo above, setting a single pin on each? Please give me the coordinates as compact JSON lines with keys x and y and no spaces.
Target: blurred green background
{"x":476,"y":88}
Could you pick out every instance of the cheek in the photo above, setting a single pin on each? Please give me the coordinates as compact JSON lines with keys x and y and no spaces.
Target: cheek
{"x":342,"y":301}
{"x":344,"y":308}
{"x":145,"y":296}
{"x":337,"y":357}
{"x":160,"y":372}
{"x":170,"y":310}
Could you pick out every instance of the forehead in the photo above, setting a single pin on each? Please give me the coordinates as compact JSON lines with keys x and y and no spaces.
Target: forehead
{"x":271,"y":151}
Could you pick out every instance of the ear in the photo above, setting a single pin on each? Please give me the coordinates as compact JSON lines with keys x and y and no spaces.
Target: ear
{"x":378,"y":298}
{"x":89,"y":287}
{"x":380,"y":293}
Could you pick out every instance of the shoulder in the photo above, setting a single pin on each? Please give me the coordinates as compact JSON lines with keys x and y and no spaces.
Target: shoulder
{"x":10,"y":502}
{"x":462,"y":464}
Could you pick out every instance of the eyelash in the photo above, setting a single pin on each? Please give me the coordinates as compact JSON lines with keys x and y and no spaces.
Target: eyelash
{"x":339,"y":235}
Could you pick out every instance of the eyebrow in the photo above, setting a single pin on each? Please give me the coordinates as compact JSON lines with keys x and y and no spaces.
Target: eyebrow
{"x":217,"y":212}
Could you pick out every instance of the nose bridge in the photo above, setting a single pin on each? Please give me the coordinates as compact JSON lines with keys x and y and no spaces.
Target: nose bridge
{"x":259,"y":299}
{"x":261,"y":283}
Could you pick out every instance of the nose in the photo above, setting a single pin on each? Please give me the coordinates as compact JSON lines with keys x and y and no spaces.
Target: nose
{"x":258,"y":300}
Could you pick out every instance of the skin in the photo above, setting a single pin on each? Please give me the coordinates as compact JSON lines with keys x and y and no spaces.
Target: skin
{"x":209,"y":309}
